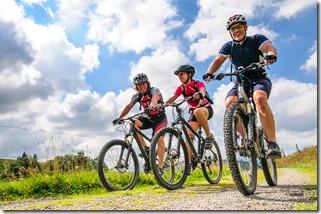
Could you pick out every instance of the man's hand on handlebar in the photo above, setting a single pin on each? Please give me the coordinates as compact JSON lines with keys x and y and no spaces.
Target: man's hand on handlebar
{"x":116,"y":121}
{"x":207,"y":77}
{"x":270,"y":59}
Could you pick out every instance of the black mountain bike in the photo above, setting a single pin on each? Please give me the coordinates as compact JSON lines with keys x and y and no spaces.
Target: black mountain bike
{"x":118,"y":165}
{"x":176,"y":163}
{"x":244,"y":139}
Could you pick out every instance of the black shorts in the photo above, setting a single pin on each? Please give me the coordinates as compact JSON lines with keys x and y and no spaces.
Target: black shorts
{"x":155,"y":123}
{"x":210,"y":115}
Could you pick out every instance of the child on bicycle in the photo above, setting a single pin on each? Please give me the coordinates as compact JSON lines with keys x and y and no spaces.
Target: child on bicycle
{"x":148,"y":97}
{"x":200,"y":105}
{"x":243,"y":51}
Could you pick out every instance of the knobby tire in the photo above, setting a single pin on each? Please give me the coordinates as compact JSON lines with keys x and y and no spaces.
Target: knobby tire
{"x":112,"y":170}
{"x":244,"y":172}
{"x":175,"y":161}
{"x":212,"y":167}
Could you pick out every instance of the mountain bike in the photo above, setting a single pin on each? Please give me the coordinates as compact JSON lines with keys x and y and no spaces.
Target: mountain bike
{"x":244,"y":138}
{"x":118,"y":165}
{"x":176,"y":163}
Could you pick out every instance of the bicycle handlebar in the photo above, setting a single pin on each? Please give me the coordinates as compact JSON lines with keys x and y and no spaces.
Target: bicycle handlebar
{"x":123,"y":120}
{"x":238,"y":71}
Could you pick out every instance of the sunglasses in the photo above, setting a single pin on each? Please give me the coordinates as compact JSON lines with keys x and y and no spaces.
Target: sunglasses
{"x":141,"y":83}
{"x":237,"y":27}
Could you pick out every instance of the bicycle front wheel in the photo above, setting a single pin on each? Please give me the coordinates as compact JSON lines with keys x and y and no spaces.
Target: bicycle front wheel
{"x":268,"y":165}
{"x":118,"y":167}
{"x":175,"y":160}
{"x":212,"y":165}
{"x":241,"y":158}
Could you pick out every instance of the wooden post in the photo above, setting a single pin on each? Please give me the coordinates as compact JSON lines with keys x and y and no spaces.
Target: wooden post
{"x":297,"y":148}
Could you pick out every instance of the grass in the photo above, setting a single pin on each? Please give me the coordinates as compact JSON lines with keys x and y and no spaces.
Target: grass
{"x":306,"y":162}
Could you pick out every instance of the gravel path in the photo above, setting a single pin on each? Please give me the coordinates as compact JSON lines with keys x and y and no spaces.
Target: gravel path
{"x":284,"y":196}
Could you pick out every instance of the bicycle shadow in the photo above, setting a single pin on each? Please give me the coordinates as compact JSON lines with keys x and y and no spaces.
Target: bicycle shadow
{"x":284,"y":193}
{"x":264,"y":193}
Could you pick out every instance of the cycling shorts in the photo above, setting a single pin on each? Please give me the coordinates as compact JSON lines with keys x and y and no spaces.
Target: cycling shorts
{"x":155,"y":123}
{"x":263,"y":84}
{"x":210,"y":115}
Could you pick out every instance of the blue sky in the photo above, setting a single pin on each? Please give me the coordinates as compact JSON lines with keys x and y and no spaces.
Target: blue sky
{"x":66,"y":67}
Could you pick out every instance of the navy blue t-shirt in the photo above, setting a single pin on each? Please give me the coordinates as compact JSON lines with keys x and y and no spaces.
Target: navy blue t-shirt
{"x":245,"y":54}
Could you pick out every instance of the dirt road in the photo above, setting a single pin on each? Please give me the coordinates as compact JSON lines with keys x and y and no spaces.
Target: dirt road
{"x":289,"y":191}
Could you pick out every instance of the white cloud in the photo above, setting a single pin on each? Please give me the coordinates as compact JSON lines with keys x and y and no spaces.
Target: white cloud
{"x":310,"y":65}
{"x":10,"y":11}
{"x":90,"y":57}
{"x":289,"y":9}
{"x":125,"y":26}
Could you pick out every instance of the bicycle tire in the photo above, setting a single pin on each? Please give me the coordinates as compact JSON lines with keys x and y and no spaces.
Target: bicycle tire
{"x":268,"y":165}
{"x":212,"y":165}
{"x":242,"y":162}
{"x":175,"y":159}
{"x":113,"y":173}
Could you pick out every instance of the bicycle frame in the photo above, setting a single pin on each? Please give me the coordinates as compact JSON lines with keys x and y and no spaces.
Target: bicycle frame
{"x":184,"y":126}
{"x":249,"y":107}
{"x":133,"y":133}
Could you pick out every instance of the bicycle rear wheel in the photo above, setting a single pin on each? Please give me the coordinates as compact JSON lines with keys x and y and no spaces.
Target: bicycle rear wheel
{"x":212,"y":165}
{"x":175,"y":159}
{"x":114,"y":170}
{"x":241,"y":160}
{"x":268,"y":165}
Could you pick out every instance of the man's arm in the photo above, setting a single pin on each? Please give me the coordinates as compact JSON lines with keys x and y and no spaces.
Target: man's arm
{"x":126,"y":110}
{"x":270,"y":50}
{"x":215,"y":65}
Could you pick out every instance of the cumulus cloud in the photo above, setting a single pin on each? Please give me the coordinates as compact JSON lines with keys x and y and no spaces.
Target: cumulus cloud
{"x":288,"y":9}
{"x":122,"y":24}
{"x":310,"y":65}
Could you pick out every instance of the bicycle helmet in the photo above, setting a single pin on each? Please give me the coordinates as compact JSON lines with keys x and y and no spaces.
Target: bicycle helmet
{"x":238,"y":18}
{"x":140,"y":78}
{"x":185,"y":68}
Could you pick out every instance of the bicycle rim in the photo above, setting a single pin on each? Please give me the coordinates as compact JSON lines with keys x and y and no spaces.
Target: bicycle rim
{"x":113,"y":170}
{"x":212,"y":166}
{"x":241,"y":161}
{"x":175,"y":160}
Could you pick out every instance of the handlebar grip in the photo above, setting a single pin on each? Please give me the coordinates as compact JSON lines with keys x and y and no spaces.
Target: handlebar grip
{"x":205,"y":76}
{"x":271,"y":57}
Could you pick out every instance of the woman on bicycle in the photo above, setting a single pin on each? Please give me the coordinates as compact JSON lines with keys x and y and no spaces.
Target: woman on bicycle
{"x":200,"y":105}
{"x":243,"y":51}
{"x":148,"y":97}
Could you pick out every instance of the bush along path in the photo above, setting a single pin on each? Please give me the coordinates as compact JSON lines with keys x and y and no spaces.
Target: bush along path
{"x":293,"y":188}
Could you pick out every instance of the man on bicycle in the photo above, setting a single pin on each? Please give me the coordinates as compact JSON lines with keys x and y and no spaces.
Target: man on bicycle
{"x":243,"y":51}
{"x":200,"y":105}
{"x":148,"y":97}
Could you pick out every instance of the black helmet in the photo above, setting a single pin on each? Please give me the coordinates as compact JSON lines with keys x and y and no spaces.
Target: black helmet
{"x":185,"y":68}
{"x":238,"y":18}
{"x":140,"y":78}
